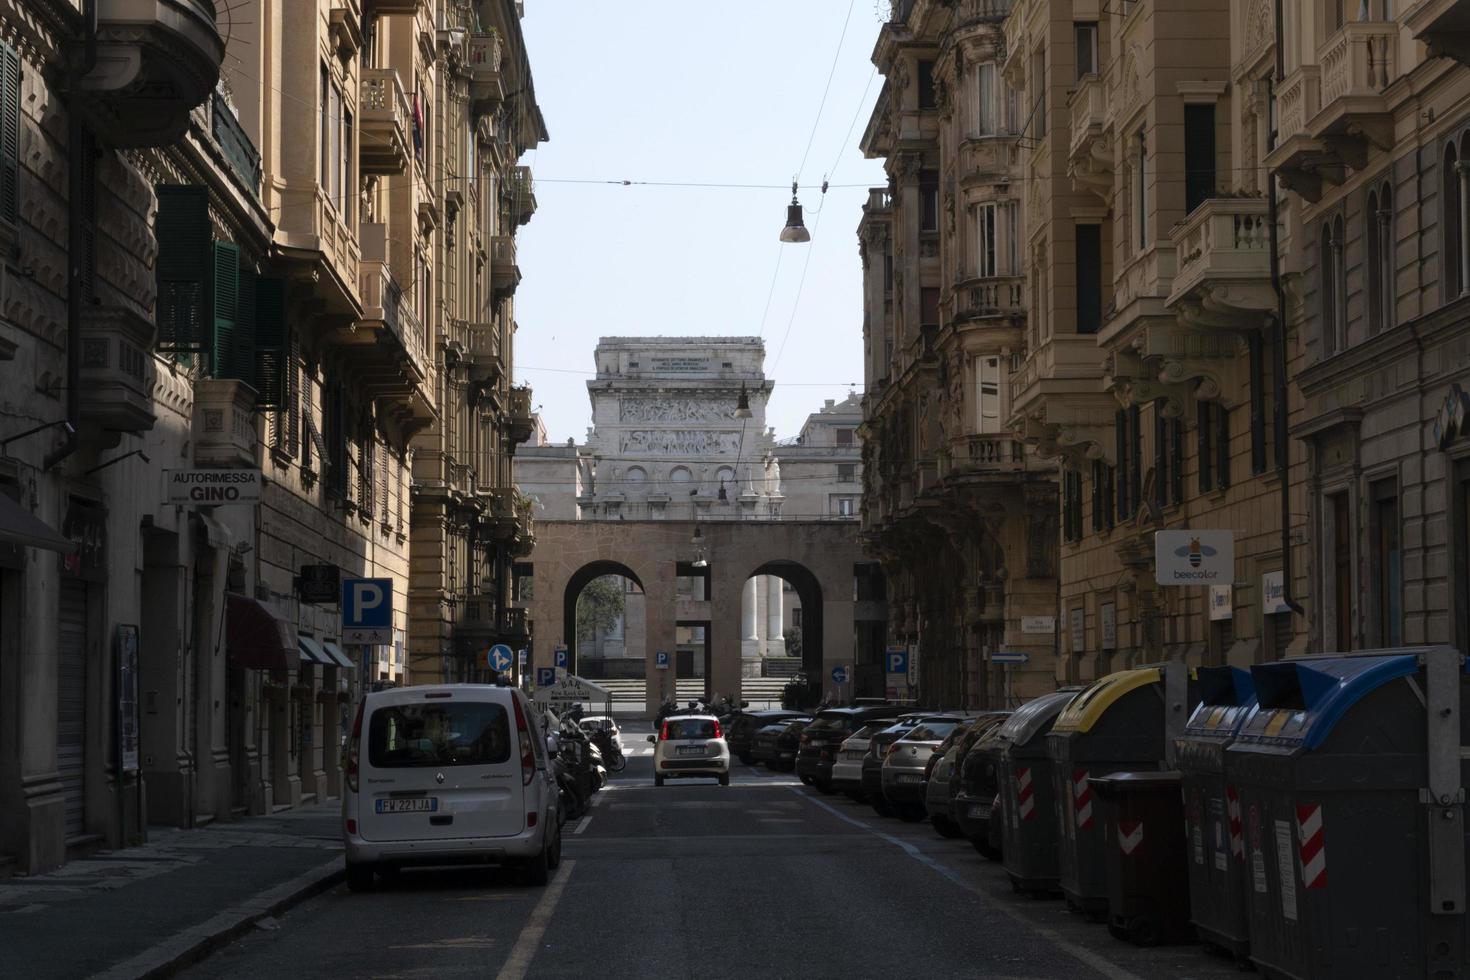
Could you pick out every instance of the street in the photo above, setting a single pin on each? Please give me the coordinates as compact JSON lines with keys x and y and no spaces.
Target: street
{"x":766,"y":878}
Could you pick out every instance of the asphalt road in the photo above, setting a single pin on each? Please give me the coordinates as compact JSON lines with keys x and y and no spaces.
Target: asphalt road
{"x":763,"y":879}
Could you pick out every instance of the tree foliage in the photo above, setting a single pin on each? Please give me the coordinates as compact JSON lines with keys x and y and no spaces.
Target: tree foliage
{"x":600,"y":606}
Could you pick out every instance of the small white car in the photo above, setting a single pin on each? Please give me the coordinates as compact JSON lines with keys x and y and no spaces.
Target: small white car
{"x":603,"y":723}
{"x":690,"y":745}
{"x":449,"y":774}
{"x":847,"y":771}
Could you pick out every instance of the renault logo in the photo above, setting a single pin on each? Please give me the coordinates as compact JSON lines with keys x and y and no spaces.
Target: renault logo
{"x":438,"y":777}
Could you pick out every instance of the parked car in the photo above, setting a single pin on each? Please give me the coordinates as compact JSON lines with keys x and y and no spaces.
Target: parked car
{"x":907,"y":760}
{"x":975,"y":792}
{"x":940,"y":786}
{"x":871,"y":785}
{"x":690,"y":746}
{"x":763,"y":744}
{"x":821,"y":741}
{"x":740,"y":734}
{"x":604,"y":724}
{"x":449,"y":774}
{"x":847,"y":767}
{"x":788,"y":741}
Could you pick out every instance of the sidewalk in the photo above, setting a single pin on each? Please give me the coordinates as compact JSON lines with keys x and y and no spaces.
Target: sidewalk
{"x":145,"y":911}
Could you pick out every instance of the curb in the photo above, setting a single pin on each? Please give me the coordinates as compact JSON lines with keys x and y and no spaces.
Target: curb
{"x":192,"y":945}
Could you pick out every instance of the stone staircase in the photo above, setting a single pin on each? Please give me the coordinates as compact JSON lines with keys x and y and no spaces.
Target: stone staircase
{"x":628,"y":694}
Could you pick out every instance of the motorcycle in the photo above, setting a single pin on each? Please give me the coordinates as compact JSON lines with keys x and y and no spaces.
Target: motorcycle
{"x":612,"y":752}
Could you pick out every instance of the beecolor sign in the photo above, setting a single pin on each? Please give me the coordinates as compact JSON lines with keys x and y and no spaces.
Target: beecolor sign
{"x":1194,"y":557}
{"x":213,"y":486}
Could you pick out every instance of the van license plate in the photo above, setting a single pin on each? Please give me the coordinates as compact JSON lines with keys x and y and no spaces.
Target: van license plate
{"x":979,"y":811}
{"x":420,"y":804}
{"x":691,"y":750}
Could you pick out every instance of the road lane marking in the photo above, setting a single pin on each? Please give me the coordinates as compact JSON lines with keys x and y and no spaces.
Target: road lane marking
{"x":1087,"y":956}
{"x":581,"y":826}
{"x":524,"y":951}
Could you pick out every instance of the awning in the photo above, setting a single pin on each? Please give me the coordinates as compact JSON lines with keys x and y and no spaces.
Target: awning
{"x":336,"y":653}
{"x":257,"y":639}
{"x":312,"y":652}
{"x":20,"y":526}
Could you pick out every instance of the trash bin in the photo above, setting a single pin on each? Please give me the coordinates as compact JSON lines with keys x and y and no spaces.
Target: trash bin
{"x":1027,"y":795}
{"x":1352,"y":782}
{"x":1125,"y":721}
{"x":1148,"y":885}
{"x":1217,"y":869}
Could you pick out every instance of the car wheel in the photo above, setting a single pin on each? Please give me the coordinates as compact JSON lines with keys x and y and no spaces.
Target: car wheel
{"x":658,"y":780}
{"x":824,"y":786}
{"x":359,"y":877}
{"x":945,"y":827}
{"x":553,"y":859}
{"x":536,"y":871}
{"x":911,"y":813}
{"x":724,"y":779}
{"x":807,"y":781}
{"x":881,"y":807}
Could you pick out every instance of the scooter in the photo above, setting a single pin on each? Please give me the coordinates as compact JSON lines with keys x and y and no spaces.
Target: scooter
{"x":612,"y":752}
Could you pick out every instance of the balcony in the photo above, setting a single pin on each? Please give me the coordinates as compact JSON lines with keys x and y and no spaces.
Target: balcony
{"x":1140,"y":289}
{"x":387,"y":342}
{"x":474,"y":615}
{"x":982,"y":455}
{"x":1444,"y":26}
{"x":482,"y":352}
{"x":386,"y":7}
{"x":224,"y":423}
{"x":1058,"y":404}
{"x":505,"y":275}
{"x":486,"y":89}
{"x":1224,"y":276}
{"x":157,"y":60}
{"x":986,"y":160}
{"x":988,"y":296}
{"x":879,"y":201}
{"x":117,"y":370}
{"x":1357,"y":63}
{"x":239,"y":152}
{"x":522,"y":194}
{"x":519,"y":426}
{"x":1090,"y":154}
{"x":514,"y":628}
{"x":385,"y":114}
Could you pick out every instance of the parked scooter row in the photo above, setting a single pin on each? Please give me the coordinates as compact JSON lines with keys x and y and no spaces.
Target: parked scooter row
{"x":583,"y":751}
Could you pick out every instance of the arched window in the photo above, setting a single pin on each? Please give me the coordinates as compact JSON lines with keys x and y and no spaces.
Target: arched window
{"x":635,"y":478}
{"x":1331,"y":300}
{"x":680,"y":474}
{"x":1378,"y":225}
{"x":1454,"y":219}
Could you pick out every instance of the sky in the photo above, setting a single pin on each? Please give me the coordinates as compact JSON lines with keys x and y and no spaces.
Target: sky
{"x":696,"y":92}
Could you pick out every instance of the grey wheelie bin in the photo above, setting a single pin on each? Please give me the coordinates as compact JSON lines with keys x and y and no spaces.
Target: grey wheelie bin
{"x":1218,"y":876}
{"x":1148,"y":884}
{"x":1028,"y":795}
{"x":1126,"y":721}
{"x":1352,"y":781}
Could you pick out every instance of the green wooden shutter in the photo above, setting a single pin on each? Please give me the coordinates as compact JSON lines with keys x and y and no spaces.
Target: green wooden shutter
{"x":182,"y":269}
{"x":9,"y":134}
{"x":270,"y":342}
{"x":225,"y":272}
{"x":239,"y":357}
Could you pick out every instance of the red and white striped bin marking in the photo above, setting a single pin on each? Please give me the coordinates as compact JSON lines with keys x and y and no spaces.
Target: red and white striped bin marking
{"x":1237,"y":836}
{"x":1313,"y":851}
{"x":1130,"y":836}
{"x":1025,"y":794}
{"x":1082,"y":799}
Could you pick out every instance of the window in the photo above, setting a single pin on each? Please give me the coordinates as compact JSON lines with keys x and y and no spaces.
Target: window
{"x":325,"y":136}
{"x":1260,"y":381}
{"x":846,"y":472}
{"x":1140,"y":191}
{"x":1340,"y":562}
{"x":1168,"y":457}
{"x":1379,"y":221}
{"x":1387,"y":564}
{"x":925,"y":77}
{"x":1199,"y":155}
{"x":928,"y":200}
{"x":1039,"y":86}
{"x":843,"y":436}
{"x":1212,"y":430}
{"x":10,"y":99}
{"x":1102,"y":496}
{"x":845,"y":506}
{"x":1333,"y":287}
{"x":987,"y":395}
{"x":985,"y":245}
{"x":929,"y":308}
{"x":1071,"y":505}
{"x":1455,"y":182}
{"x":1129,"y":433}
{"x":1089,"y":279}
{"x":1086,"y":35}
{"x":995,"y":105}
{"x":448,"y":733}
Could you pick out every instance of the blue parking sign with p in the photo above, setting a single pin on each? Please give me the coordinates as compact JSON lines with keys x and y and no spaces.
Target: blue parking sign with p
{"x":367,"y":602}
{"x":896,"y":660}
{"x":559,"y":657}
{"x":545,"y":676}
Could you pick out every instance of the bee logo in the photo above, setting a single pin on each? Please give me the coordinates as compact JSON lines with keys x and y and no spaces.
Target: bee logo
{"x":1196,"y":552}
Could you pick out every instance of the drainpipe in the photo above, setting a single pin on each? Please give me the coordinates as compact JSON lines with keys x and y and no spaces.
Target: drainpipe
{"x":1279,"y":342}
{"x":75,"y":244}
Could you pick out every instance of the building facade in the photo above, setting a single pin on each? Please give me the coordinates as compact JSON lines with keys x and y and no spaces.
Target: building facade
{"x":960,"y":510}
{"x":667,"y":443}
{"x":212,"y":419}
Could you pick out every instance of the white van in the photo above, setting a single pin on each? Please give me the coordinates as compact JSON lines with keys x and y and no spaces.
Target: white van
{"x":449,"y":774}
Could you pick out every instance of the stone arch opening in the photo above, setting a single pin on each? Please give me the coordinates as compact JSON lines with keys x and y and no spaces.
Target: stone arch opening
{"x":807,"y":608}
{"x":576,"y":583}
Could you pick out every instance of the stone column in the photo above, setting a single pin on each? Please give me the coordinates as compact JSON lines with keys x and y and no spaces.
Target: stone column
{"x":748,"y":612}
{"x":658,"y":633}
{"x":775,"y":641}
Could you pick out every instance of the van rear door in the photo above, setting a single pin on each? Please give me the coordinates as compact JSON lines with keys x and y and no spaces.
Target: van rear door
{"x":441,"y":765}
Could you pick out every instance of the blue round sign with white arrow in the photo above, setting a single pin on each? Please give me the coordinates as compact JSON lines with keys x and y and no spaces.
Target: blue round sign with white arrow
{"x":839,"y":674}
{"x":500,"y":658}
